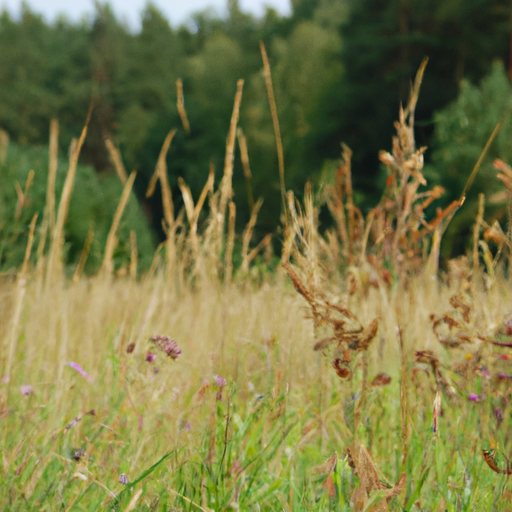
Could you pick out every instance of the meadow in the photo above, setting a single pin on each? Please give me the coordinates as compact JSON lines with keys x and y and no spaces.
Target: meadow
{"x":348,"y":373}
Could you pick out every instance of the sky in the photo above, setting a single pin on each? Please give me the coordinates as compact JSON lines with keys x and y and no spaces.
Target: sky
{"x":177,"y":11}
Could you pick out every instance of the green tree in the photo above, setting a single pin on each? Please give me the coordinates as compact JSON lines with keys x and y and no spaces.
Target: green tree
{"x":462,"y":131}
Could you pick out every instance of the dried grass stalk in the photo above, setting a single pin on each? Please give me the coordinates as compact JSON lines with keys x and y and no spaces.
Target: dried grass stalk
{"x":404,"y":398}
{"x":155,"y":261}
{"x":22,"y":195}
{"x":48,"y":223}
{"x":244,"y":156}
{"x":226,"y":189}
{"x":161,"y":169}
{"x":4,"y":144}
{"x":187,"y":199}
{"x":208,"y":188}
{"x":265,"y":242}
{"x":248,"y":234}
{"x":479,"y":163}
{"x":52,"y":173}
{"x":115,"y":156}
{"x":230,"y":241}
{"x":133,"y":255}
{"x":361,"y":461}
{"x":83,"y":256}
{"x":326,"y":467}
{"x":55,"y":256}
{"x":18,"y":305}
{"x":112,"y":239}
{"x":275,"y":124}
{"x":181,"y":105}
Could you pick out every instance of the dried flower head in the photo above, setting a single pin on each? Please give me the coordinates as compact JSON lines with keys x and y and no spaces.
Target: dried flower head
{"x":382,"y":379}
{"x":78,"y":454}
{"x":167,"y":345}
{"x":130,"y":348}
{"x":342,"y":369}
{"x":150,"y":357}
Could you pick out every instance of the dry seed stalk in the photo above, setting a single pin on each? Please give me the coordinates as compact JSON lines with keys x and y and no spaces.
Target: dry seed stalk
{"x":49,"y":211}
{"x":55,"y":257}
{"x":4,"y":144}
{"x":115,"y":156}
{"x":180,"y":103}
{"x":404,"y":398}
{"x":161,"y":169}
{"x":52,"y":173}
{"x":244,"y":156}
{"x":265,"y":242}
{"x":348,"y":334}
{"x":230,"y":241}
{"x":22,"y":194}
{"x":248,"y":235}
{"x":133,"y":255}
{"x":84,"y":255}
{"x":18,"y":305}
{"x":275,"y":124}
{"x":226,"y":189}
{"x":111,"y":239}
{"x":361,"y":461}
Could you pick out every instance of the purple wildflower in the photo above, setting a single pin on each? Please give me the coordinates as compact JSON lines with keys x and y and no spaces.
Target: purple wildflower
{"x":185,"y":426}
{"x":80,"y":370}
{"x":474,"y":397}
{"x":498,"y":414}
{"x":123,"y":478}
{"x":78,"y":454}
{"x":26,"y":389}
{"x":150,"y":357}
{"x":165,"y":344}
{"x":219,"y":381}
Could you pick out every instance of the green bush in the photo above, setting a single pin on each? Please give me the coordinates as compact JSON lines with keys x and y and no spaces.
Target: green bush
{"x":462,"y":131}
{"x":94,"y":200}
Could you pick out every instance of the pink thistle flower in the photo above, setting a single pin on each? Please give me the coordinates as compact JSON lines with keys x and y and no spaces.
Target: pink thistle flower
{"x":26,"y":390}
{"x":165,"y":344}
{"x":473,"y":397}
{"x":150,"y":357}
{"x":219,"y":381}
{"x":80,"y":370}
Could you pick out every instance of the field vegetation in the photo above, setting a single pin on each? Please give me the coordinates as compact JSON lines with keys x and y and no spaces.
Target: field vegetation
{"x":346,"y":372}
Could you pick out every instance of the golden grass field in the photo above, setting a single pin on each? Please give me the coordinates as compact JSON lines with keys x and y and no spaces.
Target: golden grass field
{"x":349,"y":373}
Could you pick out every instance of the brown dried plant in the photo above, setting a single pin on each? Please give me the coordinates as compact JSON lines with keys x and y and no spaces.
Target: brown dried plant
{"x":429,"y":357}
{"x":360,"y":460}
{"x":395,"y":233}
{"x":346,"y":333}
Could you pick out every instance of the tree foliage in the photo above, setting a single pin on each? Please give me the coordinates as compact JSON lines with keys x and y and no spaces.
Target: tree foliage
{"x":339,"y":67}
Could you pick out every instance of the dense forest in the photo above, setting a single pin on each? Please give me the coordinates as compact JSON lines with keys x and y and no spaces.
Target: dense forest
{"x":340,"y":69}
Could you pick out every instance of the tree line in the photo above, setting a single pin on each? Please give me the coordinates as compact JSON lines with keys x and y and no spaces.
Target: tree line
{"x":340,"y":69}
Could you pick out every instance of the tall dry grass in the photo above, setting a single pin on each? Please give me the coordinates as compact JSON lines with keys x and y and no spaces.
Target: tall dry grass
{"x":355,"y":359}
